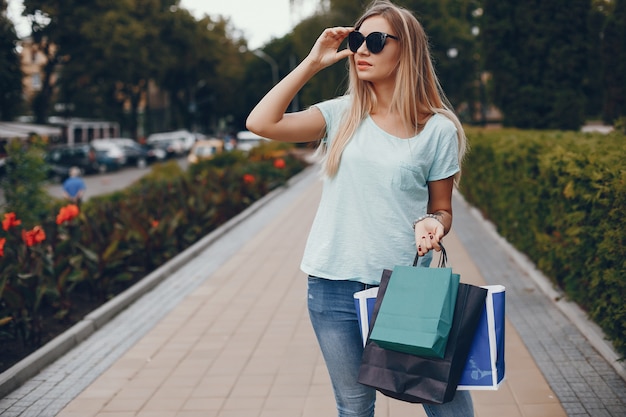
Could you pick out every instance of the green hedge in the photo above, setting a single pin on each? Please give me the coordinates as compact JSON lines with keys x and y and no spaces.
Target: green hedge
{"x":117,"y":239}
{"x":560,"y":198}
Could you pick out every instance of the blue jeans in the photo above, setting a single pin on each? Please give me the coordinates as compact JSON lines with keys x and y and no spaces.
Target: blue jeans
{"x":334,"y":320}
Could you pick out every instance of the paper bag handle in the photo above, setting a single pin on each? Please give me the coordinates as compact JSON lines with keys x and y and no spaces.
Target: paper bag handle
{"x":443,"y":259}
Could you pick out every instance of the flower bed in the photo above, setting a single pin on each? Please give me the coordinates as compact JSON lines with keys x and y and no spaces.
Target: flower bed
{"x":54,"y":272}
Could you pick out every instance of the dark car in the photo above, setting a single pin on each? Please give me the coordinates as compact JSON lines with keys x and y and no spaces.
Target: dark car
{"x":62,"y":157}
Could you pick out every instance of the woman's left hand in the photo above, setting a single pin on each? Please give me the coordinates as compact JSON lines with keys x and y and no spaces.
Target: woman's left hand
{"x":428,"y":233}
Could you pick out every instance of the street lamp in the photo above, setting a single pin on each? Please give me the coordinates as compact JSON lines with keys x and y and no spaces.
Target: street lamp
{"x":265,"y":57}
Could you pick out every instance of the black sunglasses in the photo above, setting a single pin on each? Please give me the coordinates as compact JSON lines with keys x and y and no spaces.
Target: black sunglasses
{"x":375,"y":41}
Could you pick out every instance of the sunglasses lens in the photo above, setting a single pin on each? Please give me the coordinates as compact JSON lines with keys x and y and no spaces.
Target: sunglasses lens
{"x":355,"y":40}
{"x":375,"y":42}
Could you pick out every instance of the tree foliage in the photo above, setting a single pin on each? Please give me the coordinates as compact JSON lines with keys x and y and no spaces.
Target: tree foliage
{"x":52,"y":27}
{"x":553,"y":62}
{"x":614,"y":60}
{"x":107,"y":53}
{"x":10,"y":72}
{"x":536,"y":51}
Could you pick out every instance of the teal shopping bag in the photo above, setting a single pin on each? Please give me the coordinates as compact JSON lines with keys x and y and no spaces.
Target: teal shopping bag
{"x":417,"y":310}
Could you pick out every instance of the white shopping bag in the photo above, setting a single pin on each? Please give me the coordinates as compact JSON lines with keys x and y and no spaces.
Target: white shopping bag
{"x":484,"y":369}
{"x":364,"y":302}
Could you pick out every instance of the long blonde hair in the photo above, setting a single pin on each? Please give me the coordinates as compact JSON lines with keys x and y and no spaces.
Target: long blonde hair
{"x":417,"y":90}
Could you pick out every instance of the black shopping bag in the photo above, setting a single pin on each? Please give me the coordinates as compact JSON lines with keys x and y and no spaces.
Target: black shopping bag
{"x":417,"y":379}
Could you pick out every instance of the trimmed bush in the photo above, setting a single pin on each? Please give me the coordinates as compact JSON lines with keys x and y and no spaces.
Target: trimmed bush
{"x":560,"y":198}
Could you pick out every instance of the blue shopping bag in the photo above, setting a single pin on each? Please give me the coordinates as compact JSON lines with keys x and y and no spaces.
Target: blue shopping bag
{"x":364,"y":302}
{"x":484,"y":369}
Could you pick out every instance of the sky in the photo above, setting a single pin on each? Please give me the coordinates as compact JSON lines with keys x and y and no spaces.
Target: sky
{"x":258,"y":20}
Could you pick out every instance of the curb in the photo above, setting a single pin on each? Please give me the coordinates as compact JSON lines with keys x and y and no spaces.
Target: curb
{"x":30,"y":366}
{"x":590,"y":330}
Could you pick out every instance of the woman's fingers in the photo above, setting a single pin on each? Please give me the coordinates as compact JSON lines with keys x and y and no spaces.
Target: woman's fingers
{"x":427,"y":243}
{"x":327,"y":45}
{"x":427,"y":237}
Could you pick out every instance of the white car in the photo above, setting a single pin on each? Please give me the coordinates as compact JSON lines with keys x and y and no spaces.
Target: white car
{"x":179,"y":138}
{"x":112,"y":150}
{"x":247,"y":140}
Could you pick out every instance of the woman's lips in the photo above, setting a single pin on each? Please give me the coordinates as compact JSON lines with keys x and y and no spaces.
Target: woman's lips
{"x":363,"y":64}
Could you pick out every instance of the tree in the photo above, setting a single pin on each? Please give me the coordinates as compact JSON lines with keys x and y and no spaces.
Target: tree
{"x":10,"y":72}
{"x":201,"y":70}
{"x":106,"y":54}
{"x":536,"y":51}
{"x":593,"y":83}
{"x":51,"y":27}
{"x":454,"y":47}
{"x":122,"y":53}
{"x":614,"y":60}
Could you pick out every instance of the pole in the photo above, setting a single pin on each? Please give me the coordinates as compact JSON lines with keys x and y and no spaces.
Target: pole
{"x":265,"y":57}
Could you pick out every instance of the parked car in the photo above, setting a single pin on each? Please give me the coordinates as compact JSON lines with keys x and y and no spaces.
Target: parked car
{"x":134,"y":153}
{"x":247,"y":140}
{"x":178,"y":138}
{"x":173,"y":148}
{"x":61,"y":158}
{"x":154,"y":153}
{"x":113,"y":155}
{"x":107,"y":162}
{"x":205,"y":149}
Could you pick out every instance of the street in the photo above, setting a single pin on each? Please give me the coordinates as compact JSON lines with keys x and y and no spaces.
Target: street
{"x":99,"y":184}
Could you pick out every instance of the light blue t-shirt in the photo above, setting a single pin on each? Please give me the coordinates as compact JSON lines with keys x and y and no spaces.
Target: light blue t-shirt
{"x":364,"y":220}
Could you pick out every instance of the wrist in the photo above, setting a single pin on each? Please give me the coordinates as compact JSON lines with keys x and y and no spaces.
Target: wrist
{"x":428,"y":216}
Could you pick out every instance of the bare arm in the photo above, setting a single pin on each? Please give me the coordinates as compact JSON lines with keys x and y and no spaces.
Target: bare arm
{"x":430,"y":231}
{"x":268,"y":118}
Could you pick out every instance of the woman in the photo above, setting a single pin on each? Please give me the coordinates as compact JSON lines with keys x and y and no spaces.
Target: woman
{"x":392,"y":152}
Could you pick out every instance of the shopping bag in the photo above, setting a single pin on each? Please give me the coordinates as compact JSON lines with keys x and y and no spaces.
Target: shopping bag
{"x":484,"y":368}
{"x":364,"y":303}
{"x":419,"y":379}
{"x":416,"y":314}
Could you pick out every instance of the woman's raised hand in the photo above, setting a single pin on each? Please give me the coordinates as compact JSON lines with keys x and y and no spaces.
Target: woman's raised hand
{"x":325,"y":51}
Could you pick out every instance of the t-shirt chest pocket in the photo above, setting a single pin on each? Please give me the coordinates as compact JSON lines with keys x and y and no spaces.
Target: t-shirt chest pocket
{"x":406,"y":177}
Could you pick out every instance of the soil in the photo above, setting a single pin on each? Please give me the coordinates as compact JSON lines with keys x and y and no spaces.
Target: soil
{"x":13,"y":349}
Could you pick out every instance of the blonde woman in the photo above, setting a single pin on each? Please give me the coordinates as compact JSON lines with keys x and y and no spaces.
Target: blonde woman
{"x":392,"y":153}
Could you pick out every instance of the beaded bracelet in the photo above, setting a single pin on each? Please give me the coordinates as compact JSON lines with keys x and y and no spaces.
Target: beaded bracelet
{"x":426,"y":216}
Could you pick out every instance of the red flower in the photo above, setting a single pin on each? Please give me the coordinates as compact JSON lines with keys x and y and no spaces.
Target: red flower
{"x":10,"y":220}
{"x":249,"y":179}
{"x":155,"y":223}
{"x":32,"y":237}
{"x":67,"y":213}
{"x":2,"y":242}
{"x":279,"y":163}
